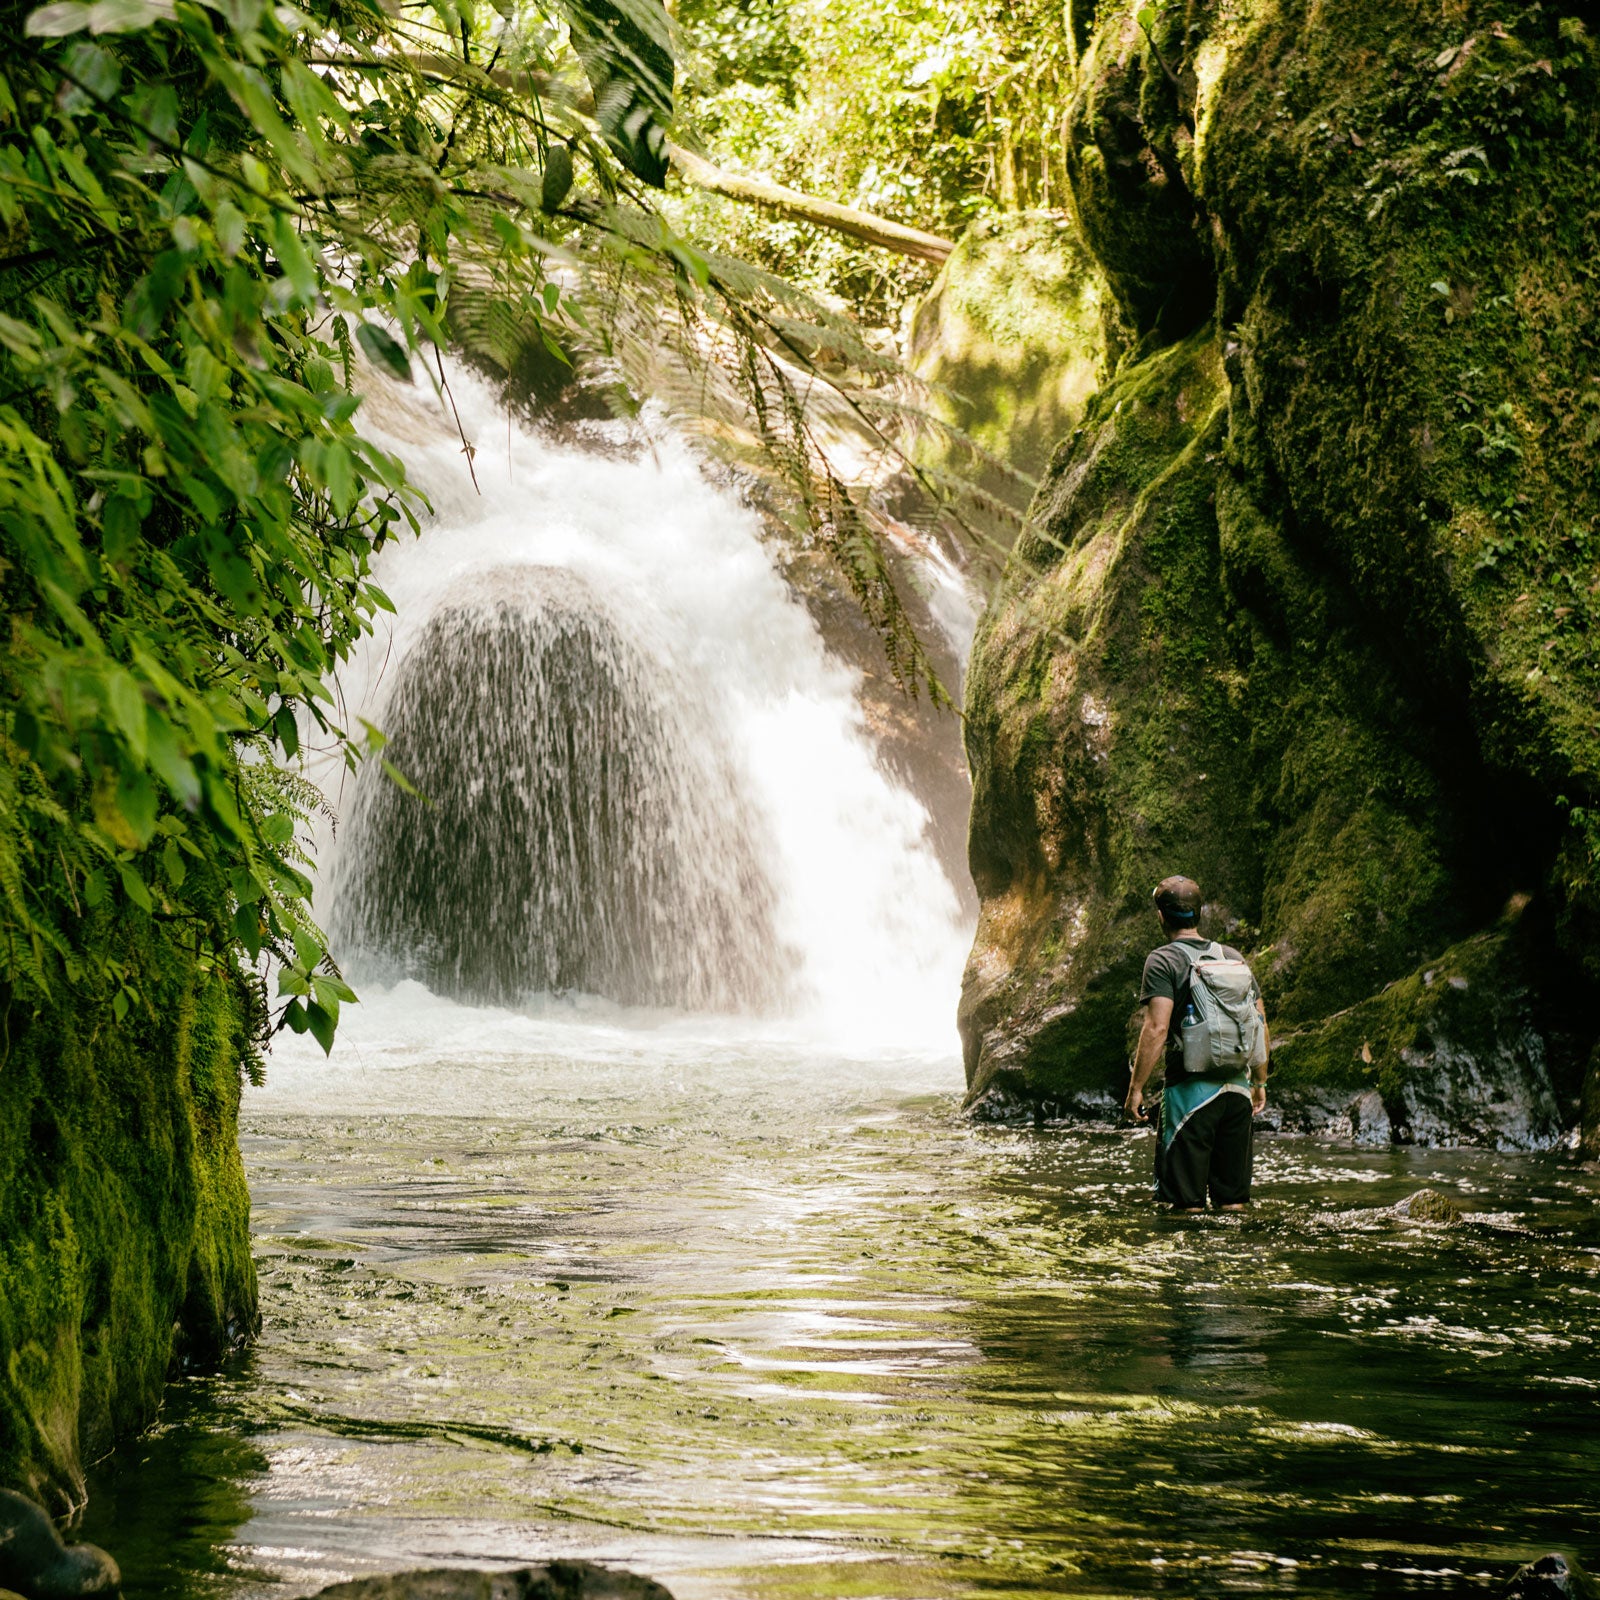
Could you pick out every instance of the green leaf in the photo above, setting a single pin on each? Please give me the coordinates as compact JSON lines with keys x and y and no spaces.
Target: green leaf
{"x":306,"y":949}
{"x":127,"y":707}
{"x":287,"y":727}
{"x":168,"y":761}
{"x":278,"y":828}
{"x":399,"y":779}
{"x":129,"y":16}
{"x":326,"y":990}
{"x":119,"y":527}
{"x":339,"y":473}
{"x":331,"y":988}
{"x":134,"y":887}
{"x":322,"y":1026}
{"x":294,"y":259}
{"x":57,"y":21}
{"x":384,"y":351}
{"x":136,"y":800}
{"x":247,"y":929}
{"x":626,"y":50}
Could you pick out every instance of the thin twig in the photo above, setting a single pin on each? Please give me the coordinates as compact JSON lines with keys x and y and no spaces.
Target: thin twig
{"x":466,"y":449}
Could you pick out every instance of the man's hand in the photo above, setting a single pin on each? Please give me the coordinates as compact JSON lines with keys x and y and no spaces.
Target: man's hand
{"x":1258,"y":1099}
{"x":1152,"y":1041}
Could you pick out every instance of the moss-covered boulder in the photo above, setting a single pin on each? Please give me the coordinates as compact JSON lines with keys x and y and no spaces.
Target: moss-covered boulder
{"x":124,"y":1219}
{"x":1010,"y":340}
{"x":1308,"y":607}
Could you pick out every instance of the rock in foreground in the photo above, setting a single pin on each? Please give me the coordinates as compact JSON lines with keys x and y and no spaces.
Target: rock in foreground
{"x":1551,"y":1577}
{"x":38,"y":1565}
{"x":1428,"y":1205}
{"x":559,"y":1580}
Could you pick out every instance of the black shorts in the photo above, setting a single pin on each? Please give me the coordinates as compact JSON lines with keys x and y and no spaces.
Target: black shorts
{"x":1204,"y":1148}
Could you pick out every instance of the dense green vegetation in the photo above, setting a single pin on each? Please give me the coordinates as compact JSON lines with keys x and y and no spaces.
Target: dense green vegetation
{"x":1307,"y":603}
{"x":211,"y":216}
{"x":933,"y":112}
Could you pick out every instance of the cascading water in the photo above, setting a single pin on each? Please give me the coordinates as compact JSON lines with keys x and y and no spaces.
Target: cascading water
{"x":644,"y":777}
{"x":583,"y":831}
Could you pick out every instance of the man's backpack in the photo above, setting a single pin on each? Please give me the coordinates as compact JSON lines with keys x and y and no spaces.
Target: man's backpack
{"x":1220,"y":1027}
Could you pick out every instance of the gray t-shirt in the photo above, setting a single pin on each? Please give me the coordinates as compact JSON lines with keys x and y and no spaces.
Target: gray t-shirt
{"x":1166,"y":977}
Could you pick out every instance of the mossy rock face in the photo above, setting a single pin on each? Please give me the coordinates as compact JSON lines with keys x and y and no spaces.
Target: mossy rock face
{"x":1103,"y":731}
{"x":1130,"y":155}
{"x":1451,"y":1053}
{"x":1010,"y":337}
{"x":1404,"y":205}
{"x":1286,"y":621}
{"x":124,"y":1218}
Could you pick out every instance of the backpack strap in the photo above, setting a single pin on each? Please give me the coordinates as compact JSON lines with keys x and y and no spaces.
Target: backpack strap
{"x":1193,"y":952}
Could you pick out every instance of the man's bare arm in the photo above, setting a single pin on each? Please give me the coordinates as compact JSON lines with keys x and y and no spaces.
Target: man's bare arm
{"x":1258,"y":1075}
{"x":1152,"y":1043}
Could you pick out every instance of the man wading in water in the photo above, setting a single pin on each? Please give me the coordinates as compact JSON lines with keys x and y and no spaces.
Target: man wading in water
{"x":1203,"y":1011}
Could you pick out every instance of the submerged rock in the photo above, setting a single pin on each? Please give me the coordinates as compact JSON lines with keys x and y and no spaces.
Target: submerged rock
{"x":1428,"y":1205}
{"x":39,"y":1566}
{"x":1551,"y":1577}
{"x":559,"y":1580}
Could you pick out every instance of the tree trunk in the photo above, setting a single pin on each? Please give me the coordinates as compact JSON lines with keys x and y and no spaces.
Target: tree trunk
{"x":886,"y":235}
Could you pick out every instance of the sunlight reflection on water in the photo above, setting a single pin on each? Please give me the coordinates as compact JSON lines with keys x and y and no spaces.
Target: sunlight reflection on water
{"x":765,"y":1322}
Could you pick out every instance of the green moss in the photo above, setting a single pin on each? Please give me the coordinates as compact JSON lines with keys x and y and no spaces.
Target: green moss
{"x":1101,"y":729}
{"x":1130,"y":144}
{"x":1010,"y":338}
{"x":1355,"y":589}
{"x":1474,"y":993}
{"x":1404,"y":208}
{"x":124,"y":1220}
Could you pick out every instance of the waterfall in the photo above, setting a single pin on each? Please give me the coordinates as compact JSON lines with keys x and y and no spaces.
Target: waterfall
{"x":641,"y":775}
{"x":583,"y":828}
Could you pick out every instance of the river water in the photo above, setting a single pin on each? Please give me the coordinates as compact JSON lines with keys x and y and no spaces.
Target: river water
{"x":766,"y":1321}
{"x":744,"y":1304}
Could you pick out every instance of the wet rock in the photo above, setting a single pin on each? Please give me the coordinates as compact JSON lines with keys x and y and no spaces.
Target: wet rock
{"x":559,"y":1580}
{"x":1428,"y":1205}
{"x":1369,"y":1119}
{"x":1237,"y":639}
{"x":1551,"y":1577}
{"x":35,"y":1562}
